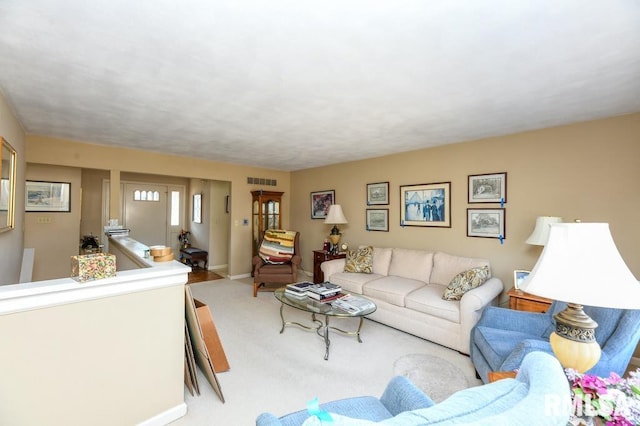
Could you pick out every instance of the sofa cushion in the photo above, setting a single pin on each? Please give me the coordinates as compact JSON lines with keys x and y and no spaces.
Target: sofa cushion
{"x":465,"y":281}
{"x":391,"y":289}
{"x":353,"y":283}
{"x":446,"y":266}
{"x":359,"y":261}
{"x":382,"y":260}
{"x":413,"y":264}
{"x":428,"y":300}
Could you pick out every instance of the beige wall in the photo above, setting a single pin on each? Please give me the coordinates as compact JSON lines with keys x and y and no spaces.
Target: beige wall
{"x":588,"y":171}
{"x":46,"y":150}
{"x":11,"y":242}
{"x":54,"y":235}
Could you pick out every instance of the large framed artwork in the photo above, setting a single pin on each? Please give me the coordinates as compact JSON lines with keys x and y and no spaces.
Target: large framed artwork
{"x":320,"y":202}
{"x":488,"y":188}
{"x":378,"y":193}
{"x":48,"y":196}
{"x":427,"y":204}
{"x":378,"y":220}
{"x":486,"y":223}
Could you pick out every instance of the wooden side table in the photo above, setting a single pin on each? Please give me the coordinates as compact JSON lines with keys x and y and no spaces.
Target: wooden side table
{"x":499,"y":375}
{"x":320,"y":256}
{"x":521,"y":301}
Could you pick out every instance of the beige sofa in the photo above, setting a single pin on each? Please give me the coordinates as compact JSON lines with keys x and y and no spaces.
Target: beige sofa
{"x":407,"y":285}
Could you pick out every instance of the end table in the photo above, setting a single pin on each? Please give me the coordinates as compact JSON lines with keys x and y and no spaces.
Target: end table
{"x":320,"y":256}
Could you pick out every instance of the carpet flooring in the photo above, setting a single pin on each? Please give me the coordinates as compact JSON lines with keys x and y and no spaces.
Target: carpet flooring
{"x":279,"y":373}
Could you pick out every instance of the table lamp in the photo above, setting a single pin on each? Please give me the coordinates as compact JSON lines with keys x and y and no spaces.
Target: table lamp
{"x":581,"y":265}
{"x":335,"y":217}
{"x":540,"y":234}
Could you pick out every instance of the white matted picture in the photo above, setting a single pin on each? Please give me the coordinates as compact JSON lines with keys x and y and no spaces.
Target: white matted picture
{"x":518,"y":278}
{"x":486,"y":223}
{"x":377,"y":193}
{"x":197,"y":208}
{"x":320,"y":202}
{"x":48,"y":196}
{"x":427,"y":204}
{"x":488,"y":188}
{"x":378,"y":220}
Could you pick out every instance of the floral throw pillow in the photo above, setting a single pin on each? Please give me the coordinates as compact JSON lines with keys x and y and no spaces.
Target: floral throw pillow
{"x":360,"y":260}
{"x":465,"y":281}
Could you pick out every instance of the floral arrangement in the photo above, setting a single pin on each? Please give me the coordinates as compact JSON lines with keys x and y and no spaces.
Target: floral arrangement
{"x":184,"y":239}
{"x":611,"y":401}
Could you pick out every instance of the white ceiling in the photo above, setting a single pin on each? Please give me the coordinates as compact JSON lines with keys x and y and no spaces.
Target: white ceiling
{"x":293,"y":84}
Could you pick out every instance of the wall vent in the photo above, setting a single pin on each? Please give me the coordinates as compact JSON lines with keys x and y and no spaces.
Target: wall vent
{"x":261,"y":181}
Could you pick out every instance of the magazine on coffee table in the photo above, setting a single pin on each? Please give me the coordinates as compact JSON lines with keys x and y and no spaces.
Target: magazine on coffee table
{"x":352,"y":304}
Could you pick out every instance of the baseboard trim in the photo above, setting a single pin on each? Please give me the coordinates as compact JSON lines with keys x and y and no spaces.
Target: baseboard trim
{"x":217,"y":267}
{"x":166,"y":417}
{"x":239,"y":277}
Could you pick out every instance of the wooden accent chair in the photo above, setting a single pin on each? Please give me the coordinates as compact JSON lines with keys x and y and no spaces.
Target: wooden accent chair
{"x":282,"y":273}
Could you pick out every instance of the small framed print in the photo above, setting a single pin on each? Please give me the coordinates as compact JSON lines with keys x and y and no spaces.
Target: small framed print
{"x":378,"y":220}
{"x":518,"y":278}
{"x":488,"y":188}
{"x":48,"y":196}
{"x":427,"y":204}
{"x":486,"y":223}
{"x":197,"y":208}
{"x":378,"y":194}
{"x":320,"y":202}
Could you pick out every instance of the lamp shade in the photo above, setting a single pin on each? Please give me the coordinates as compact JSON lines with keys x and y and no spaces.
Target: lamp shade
{"x":335,"y":215}
{"x":540,"y":233}
{"x":581,"y":264}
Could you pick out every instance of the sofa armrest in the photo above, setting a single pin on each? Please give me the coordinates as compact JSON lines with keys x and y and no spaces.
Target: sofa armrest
{"x":331,"y":267}
{"x":402,"y":395}
{"x":472,"y":304}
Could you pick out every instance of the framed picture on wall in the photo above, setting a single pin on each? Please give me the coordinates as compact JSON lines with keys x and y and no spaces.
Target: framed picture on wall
{"x":197,"y":208}
{"x":378,"y":193}
{"x":486,"y":223}
{"x":48,"y":196}
{"x":320,"y":202}
{"x":378,"y":220}
{"x":427,"y":204}
{"x":488,"y":188}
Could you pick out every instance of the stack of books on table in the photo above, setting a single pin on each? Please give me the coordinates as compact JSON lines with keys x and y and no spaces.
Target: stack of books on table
{"x":325,"y":292}
{"x":298,"y":290}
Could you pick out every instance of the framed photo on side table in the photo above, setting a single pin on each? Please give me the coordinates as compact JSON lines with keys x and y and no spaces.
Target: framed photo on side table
{"x":378,"y":194}
{"x":519,"y":276}
{"x":378,"y":220}
{"x":48,"y":196}
{"x":488,"y":188}
{"x":320,"y":202}
{"x":486,"y":223}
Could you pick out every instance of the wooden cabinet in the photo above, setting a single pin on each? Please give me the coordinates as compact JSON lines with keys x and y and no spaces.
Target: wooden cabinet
{"x":521,"y":301}
{"x":320,"y":256}
{"x":265,"y":215}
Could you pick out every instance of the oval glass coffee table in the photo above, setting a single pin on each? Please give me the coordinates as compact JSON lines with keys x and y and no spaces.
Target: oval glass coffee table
{"x":316,"y":308}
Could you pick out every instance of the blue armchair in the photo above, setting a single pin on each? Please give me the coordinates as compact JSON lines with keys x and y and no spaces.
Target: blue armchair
{"x":503,"y":337}
{"x":539,"y":392}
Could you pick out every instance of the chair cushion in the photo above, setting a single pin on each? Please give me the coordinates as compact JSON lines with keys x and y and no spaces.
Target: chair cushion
{"x":359,"y":261}
{"x":465,"y":281}
{"x":277,"y":246}
{"x":497,"y":344}
{"x":363,"y":407}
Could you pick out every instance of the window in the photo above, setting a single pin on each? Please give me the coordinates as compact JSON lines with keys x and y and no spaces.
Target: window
{"x":175,"y":208}
{"x":139,"y":195}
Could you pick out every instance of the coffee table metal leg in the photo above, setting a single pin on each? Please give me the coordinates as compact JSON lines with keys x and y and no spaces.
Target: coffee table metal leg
{"x":326,"y":337}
